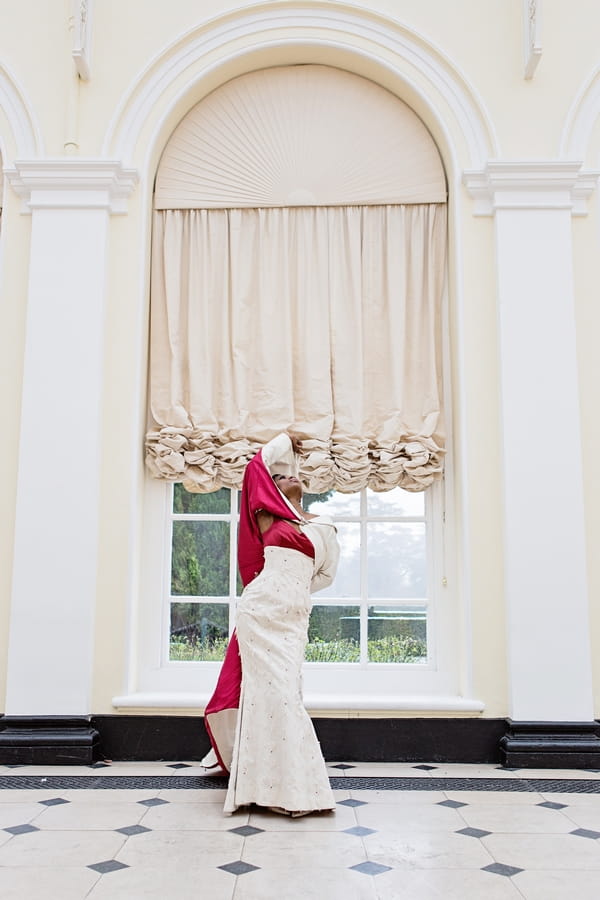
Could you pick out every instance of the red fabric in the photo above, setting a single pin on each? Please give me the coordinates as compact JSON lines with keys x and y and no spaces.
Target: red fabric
{"x":258,"y":492}
{"x":283,"y":534}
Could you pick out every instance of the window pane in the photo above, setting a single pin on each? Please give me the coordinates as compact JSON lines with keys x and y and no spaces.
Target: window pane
{"x":334,"y":634}
{"x":186,"y":502}
{"x":332,"y":503}
{"x":397,"y":634}
{"x":396,"y":503}
{"x":347,"y":580}
{"x":200,"y":559}
{"x":396,"y":559}
{"x":199,"y":631}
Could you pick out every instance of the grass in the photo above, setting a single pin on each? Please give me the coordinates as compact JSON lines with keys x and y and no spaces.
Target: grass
{"x":389,"y":649}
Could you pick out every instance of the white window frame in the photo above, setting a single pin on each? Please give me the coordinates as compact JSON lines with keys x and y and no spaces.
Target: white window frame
{"x":157,"y":682}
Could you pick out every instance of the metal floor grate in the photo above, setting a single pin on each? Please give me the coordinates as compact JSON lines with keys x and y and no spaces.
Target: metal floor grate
{"x":352,"y":783}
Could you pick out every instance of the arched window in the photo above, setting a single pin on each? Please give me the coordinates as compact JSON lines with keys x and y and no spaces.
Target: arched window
{"x":298,"y":281}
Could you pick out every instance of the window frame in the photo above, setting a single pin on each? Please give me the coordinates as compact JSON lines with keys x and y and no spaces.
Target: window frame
{"x":156,"y":680}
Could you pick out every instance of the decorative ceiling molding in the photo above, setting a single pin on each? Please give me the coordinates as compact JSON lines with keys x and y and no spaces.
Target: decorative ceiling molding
{"x":544,"y":184}
{"x":69,"y":183}
{"x":299,"y":136}
{"x":532,"y":35}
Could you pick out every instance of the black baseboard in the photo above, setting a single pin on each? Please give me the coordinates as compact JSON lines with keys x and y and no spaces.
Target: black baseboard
{"x":351,"y":740}
{"x":47,"y":740}
{"x":551,"y":745}
{"x":82,"y":740}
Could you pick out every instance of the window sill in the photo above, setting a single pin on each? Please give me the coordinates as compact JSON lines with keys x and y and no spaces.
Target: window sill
{"x":317,"y":703}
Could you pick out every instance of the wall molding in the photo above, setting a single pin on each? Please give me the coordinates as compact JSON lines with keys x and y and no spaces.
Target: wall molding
{"x":68,"y":183}
{"x":415,"y":61}
{"x":530,"y":184}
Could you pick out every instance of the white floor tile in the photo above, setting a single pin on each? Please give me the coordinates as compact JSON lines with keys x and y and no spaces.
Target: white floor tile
{"x":544,"y":851}
{"x":28,"y":884}
{"x":164,"y":884}
{"x":444,"y":884}
{"x":403,"y":798}
{"x":283,"y":850}
{"x":193,"y":817}
{"x":565,"y":884}
{"x":192,"y":795}
{"x":513,"y":818}
{"x":179,"y":850}
{"x":410,"y":819}
{"x":305,"y":883}
{"x":474,"y":798}
{"x":19,"y":813}
{"x":60,"y":848}
{"x":585,"y":815}
{"x":438,"y":850}
{"x":342,"y":818}
{"x":90,"y":816}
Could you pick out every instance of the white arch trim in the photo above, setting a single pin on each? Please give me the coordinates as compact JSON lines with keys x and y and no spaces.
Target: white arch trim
{"x":344,"y":27}
{"x":581,"y":120}
{"x":26,"y":135}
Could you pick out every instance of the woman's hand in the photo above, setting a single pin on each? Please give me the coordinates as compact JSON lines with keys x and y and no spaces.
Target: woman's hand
{"x":296,"y":441}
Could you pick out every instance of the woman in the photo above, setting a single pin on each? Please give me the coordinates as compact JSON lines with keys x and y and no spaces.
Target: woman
{"x":284,"y":553}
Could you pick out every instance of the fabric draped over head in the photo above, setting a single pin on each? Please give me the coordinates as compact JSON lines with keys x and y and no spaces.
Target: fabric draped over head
{"x":258,"y":492}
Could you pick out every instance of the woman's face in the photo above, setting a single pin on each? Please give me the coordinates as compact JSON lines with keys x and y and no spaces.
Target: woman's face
{"x":289,"y":485}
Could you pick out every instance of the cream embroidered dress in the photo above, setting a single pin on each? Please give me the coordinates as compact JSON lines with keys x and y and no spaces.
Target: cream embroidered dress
{"x":277,"y":761}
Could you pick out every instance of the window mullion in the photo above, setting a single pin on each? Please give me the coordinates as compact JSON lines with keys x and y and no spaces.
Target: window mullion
{"x":233,"y":534}
{"x":364,"y":581}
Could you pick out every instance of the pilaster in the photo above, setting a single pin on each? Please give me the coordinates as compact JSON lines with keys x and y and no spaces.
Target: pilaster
{"x":544,"y":540}
{"x":57,"y":513}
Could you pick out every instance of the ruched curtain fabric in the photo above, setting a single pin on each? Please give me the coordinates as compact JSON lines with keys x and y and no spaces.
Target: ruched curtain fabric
{"x":326,"y":320}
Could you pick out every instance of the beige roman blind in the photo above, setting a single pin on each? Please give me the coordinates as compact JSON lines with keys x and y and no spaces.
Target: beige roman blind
{"x":298,"y":261}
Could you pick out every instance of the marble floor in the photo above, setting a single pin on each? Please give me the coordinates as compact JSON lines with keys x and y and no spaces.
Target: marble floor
{"x":156,"y":831}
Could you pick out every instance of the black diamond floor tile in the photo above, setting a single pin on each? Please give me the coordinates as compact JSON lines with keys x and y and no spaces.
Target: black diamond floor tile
{"x":426,"y":768}
{"x":246,"y":830}
{"x":238,"y":867}
{"x":179,"y":766}
{"x":153,"y":801}
{"x":21,"y":829}
{"x":586,"y":833}
{"x":452,"y":804}
{"x":133,"y":829}
{"x":55,"y":801}
{"x":549,"y":804}
{"x":370,"y":868}
{"x":352,"y":802}
{"x":360,"y":831}
{"x":474,"y":832}
{"x":501,"y":869}
{"x":343,"y":766}
{"x":108,"y":865}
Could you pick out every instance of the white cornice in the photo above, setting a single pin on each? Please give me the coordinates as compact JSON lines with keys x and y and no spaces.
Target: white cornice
{"x":69,"y":183}
{"x":531,"y":184}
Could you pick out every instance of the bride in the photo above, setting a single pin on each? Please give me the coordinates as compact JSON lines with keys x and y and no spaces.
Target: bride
{"x":258,"y":726}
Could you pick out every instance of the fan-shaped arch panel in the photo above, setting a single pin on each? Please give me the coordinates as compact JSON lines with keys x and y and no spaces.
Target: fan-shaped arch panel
{"x":299,"y":136}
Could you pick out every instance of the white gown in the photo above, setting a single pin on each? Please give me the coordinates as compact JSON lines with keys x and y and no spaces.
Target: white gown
{"x":277,"y":760}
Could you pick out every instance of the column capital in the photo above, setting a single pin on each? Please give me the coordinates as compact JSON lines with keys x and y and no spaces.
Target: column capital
{"x":72,"y":183}
{"x":530,"y":184}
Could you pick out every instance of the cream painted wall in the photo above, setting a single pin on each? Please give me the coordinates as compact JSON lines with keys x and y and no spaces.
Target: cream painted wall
{"x":132,"y":38}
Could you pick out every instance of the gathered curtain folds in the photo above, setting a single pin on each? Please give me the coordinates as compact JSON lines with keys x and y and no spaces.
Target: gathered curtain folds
{"x":323,"y":320}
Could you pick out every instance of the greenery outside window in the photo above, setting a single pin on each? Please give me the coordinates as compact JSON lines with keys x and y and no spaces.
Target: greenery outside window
{"x":376,"y":611}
